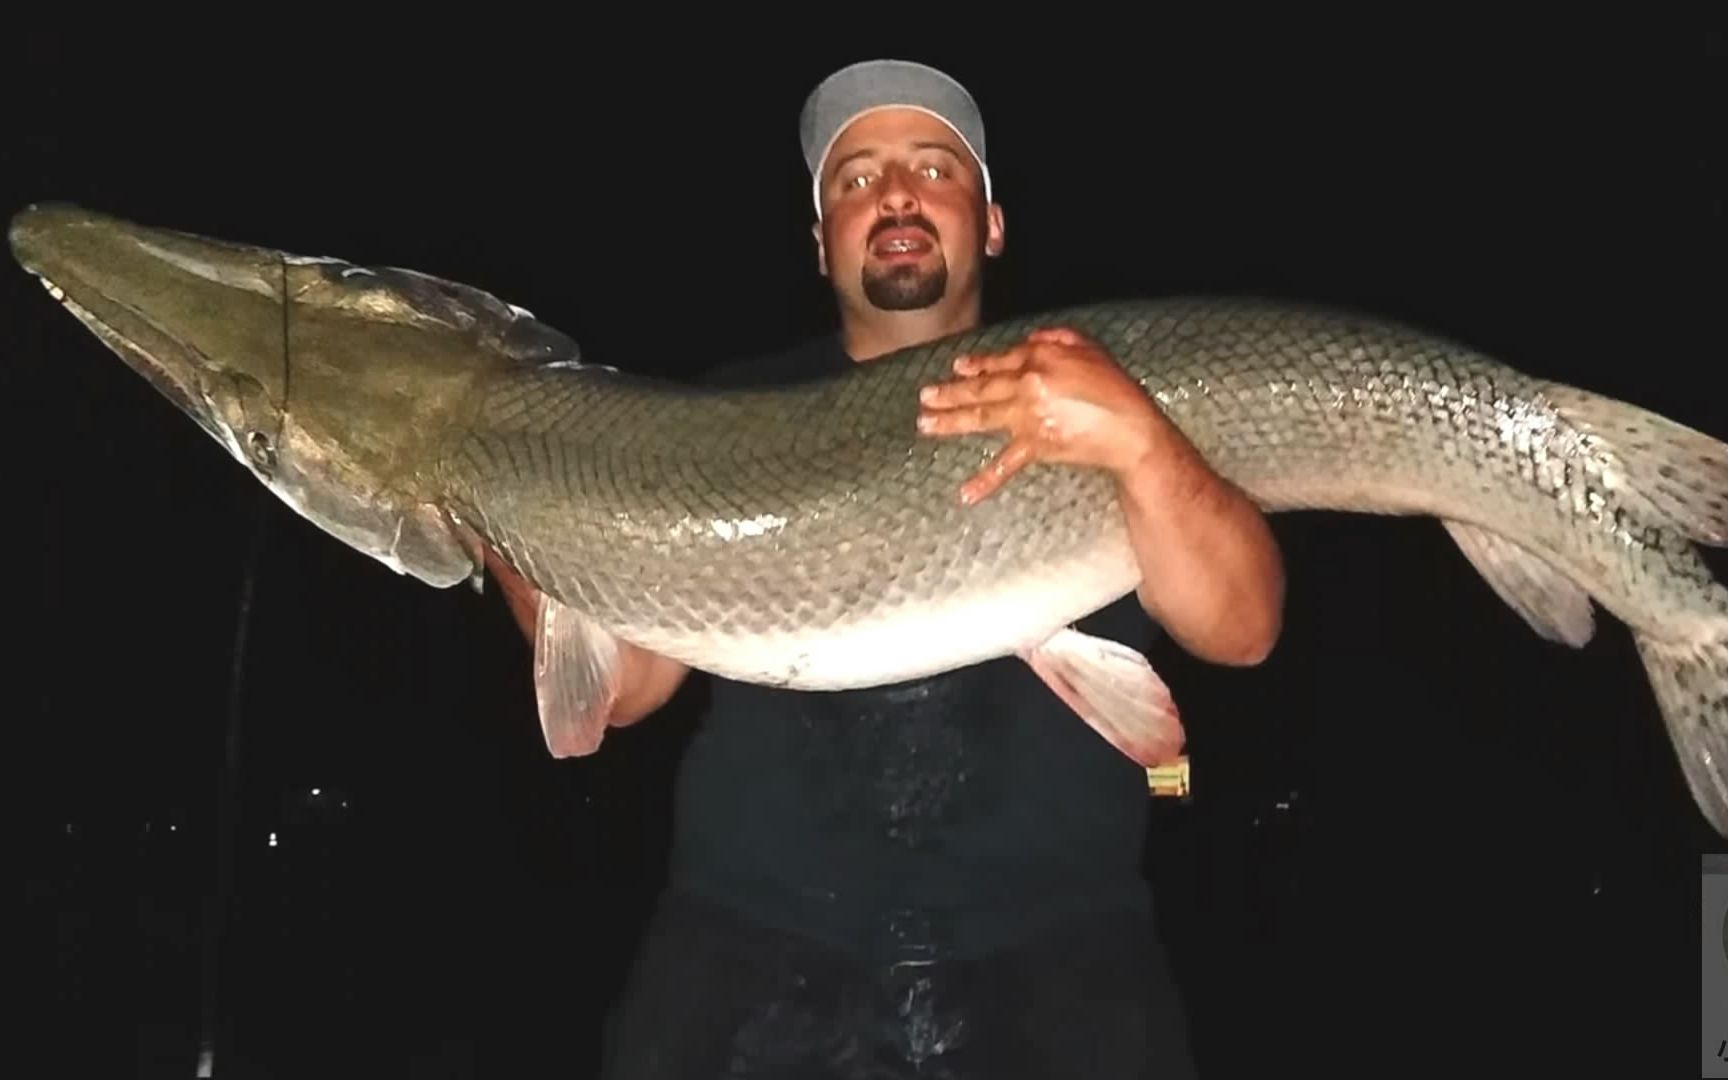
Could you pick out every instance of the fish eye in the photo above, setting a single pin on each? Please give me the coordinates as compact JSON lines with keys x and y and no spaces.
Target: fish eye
{"x":263,"y":453}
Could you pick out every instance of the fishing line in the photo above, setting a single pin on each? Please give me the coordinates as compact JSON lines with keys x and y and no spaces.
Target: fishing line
{"x":228,"y":776}
{"x":228,"y":795}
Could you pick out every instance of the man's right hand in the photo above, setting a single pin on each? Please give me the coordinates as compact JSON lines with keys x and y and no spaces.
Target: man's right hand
{"x":647,"y":680}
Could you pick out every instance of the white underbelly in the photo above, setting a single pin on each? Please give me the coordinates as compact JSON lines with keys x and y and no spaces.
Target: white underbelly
{"x":921,"y":636}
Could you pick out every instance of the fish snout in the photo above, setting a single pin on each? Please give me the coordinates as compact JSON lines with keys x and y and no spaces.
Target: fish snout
{"x":34,"y":229}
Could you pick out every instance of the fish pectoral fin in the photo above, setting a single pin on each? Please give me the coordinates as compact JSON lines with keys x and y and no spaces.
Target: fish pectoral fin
{"x":576,"y":678}
{"x":427,"y":547}
{"x":1553,"y":605}
{"x":1115,"y":690}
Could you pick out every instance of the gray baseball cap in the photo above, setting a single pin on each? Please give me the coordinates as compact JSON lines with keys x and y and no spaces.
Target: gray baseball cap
{"x":873,"y":84}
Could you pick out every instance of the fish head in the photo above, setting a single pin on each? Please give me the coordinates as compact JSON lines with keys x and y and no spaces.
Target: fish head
{"x":336,"y":385}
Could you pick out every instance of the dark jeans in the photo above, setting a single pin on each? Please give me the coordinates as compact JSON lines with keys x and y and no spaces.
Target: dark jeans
{"x":713,"y":997}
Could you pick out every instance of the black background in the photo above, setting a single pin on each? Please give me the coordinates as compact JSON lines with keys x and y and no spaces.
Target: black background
{"x":1419,"y":833}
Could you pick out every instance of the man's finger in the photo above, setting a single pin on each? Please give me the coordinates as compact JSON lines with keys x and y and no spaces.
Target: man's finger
{"x":985,"y":482}
{"x":1057,"y":335}
{"x":977,"y":390}
{"x":989,"y":363}
{"x":963,"y":419}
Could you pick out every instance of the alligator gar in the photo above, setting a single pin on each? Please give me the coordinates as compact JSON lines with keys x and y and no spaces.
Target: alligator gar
{"x":808,"y":536}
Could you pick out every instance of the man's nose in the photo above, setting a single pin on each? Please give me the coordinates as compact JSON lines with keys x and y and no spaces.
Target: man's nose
{"x":898,"y":194}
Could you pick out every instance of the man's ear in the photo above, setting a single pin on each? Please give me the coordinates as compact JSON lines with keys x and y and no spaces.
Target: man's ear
{"x":821,"y":250}
{"x":996,"y":233}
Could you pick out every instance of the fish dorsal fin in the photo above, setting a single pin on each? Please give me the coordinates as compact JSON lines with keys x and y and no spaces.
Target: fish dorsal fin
{"x":576,"y":678}
{"x":1553,"y":605}
{"x":1670,"y":474}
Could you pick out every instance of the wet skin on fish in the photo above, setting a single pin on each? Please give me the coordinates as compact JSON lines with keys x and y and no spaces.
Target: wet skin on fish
{"x":808,"y":536}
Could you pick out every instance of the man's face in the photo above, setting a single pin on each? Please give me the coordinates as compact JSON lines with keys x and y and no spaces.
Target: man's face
{"x":904,"y":223}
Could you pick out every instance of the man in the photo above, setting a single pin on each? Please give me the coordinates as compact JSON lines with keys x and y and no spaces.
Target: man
{"x":944,"y":874}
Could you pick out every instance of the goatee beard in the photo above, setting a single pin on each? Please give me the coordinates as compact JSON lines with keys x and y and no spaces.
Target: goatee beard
{"x":906,"y":288}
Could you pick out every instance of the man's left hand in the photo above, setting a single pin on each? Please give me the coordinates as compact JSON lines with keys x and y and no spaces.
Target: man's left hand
{"x":1059,"y":395}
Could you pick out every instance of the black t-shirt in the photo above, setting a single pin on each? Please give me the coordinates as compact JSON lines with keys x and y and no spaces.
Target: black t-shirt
{"x":961,"y":811}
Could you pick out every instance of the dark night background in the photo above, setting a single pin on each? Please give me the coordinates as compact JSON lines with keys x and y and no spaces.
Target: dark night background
{"x":1419,"y":833}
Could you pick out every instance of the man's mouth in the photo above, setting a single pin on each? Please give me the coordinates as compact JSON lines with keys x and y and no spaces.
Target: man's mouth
{"x":901,"y":242}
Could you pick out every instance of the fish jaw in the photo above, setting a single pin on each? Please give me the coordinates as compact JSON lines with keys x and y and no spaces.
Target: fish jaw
{"x":192,"y":317}
{"x":331,"y":383}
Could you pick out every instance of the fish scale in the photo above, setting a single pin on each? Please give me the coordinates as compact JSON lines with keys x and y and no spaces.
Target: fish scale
{"x":789,"y":475}
{"x":808,"y":536}
{"x":826,"y":490}
{"x":790,"y":478}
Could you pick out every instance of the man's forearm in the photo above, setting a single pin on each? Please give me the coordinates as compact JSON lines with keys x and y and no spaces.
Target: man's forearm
{"x":1210,"y":569}
{"x":649,"y":681}
{"x":1212,"y":574}
{"x":520,"y":597}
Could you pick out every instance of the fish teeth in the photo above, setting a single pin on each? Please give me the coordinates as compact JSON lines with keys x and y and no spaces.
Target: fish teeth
{"x":54,"y":290}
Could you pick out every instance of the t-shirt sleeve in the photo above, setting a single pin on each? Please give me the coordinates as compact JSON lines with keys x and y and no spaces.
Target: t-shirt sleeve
{"x":807,"y":360}
{"x":729,"y":374}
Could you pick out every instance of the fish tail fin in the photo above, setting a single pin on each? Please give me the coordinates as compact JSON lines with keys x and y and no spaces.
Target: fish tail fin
{"x":1688,"y":671}
{"x":1672,"y":474}
{"x":1690,"y":682}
